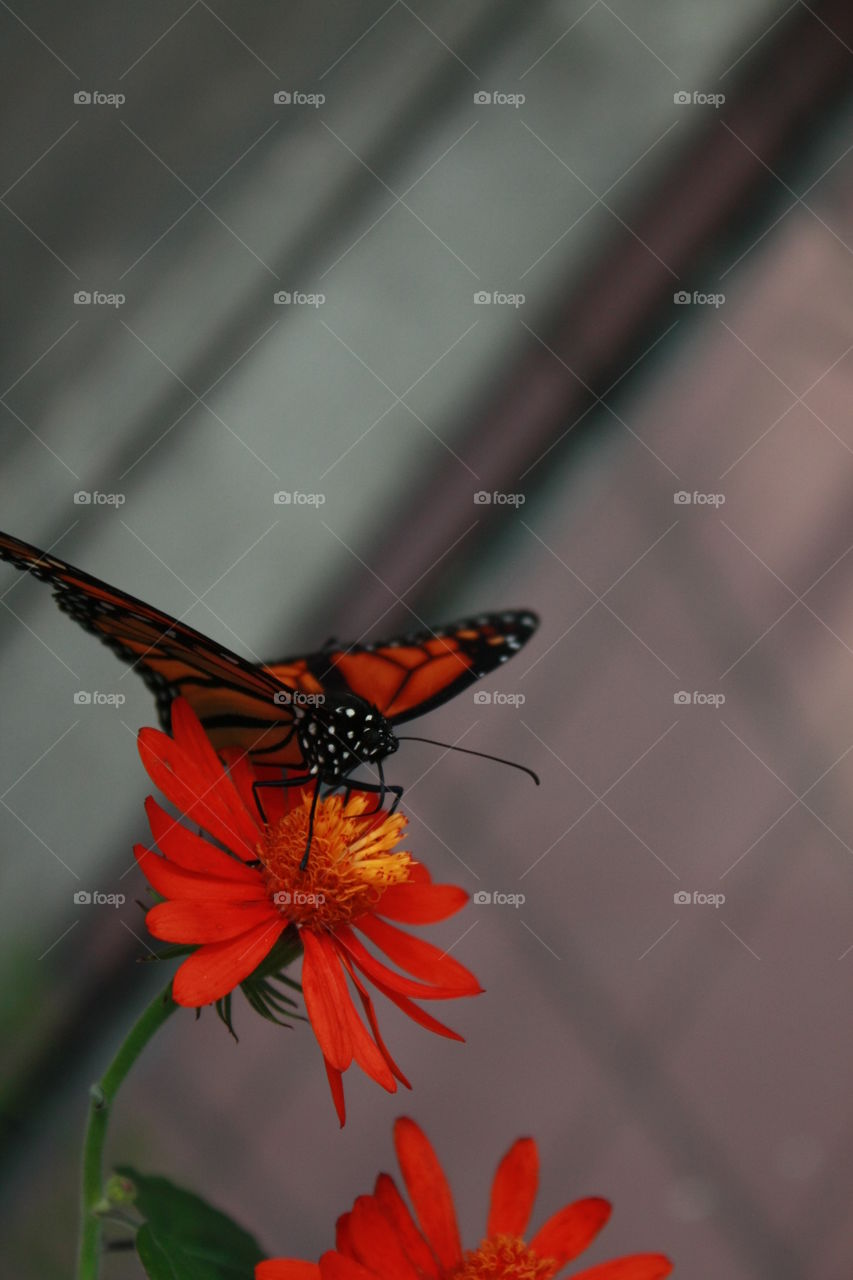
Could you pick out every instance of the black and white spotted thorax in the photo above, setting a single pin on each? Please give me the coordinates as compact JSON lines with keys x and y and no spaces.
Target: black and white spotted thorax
{"x":339,"y":734}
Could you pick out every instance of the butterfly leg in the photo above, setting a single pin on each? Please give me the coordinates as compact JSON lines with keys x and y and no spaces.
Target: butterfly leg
{"x":304,"y":863}
{"x":396,"y":792}
{"x":279,"y":783}
{"x":381,"y":789}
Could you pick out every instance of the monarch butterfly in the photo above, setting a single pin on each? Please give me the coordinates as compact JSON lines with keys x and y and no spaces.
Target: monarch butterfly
{"x":321,"y":714}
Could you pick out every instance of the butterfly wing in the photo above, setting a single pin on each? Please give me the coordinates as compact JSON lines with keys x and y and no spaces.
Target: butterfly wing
{"x":235,"y":700}
{"x":413,"y":674}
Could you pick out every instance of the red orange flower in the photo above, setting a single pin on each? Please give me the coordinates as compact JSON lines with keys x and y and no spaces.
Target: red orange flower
{"x":234,"y":892}
{"x":380,"y":1239}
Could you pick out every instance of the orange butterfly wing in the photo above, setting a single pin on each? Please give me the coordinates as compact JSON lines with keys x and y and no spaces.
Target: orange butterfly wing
{"x":239,"y":704}
{"x":409,"y":676}
{"x":250,"y":706}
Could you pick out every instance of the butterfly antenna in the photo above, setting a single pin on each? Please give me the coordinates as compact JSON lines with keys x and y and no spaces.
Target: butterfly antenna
{"x":513,"y":764}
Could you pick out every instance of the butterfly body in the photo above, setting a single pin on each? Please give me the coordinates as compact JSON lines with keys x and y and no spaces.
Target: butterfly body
{"x":338,"y":735}
{"x":319,"y":715}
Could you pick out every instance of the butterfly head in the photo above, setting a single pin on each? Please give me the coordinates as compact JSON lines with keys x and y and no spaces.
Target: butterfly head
{"x":377,"y":737}
{"x":342,"y":732}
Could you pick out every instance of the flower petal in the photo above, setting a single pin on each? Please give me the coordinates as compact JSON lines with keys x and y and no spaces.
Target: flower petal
{"x":421,"y":903}
{"x":333,"y":1266}
{"x":397,"y":1212}
{"x":343,"y":1242}
{"x":336,"y":1087}
{"x":376,"y":1244}
{"x":370,"y":1013}
{"x":373,"y":1022}
{"x":640,"y":1266}
{"x":205,"y":800}
{"x":429,"y":1191}
{"x":191,"y":851}
{"x":190,"y":737}
{"x":417,"y":1014}
{"x":215,"y":969}
{"x":514,"y":1190}
{"x":326,"y":998}
{"x":208,"y":920}
{"x":569,"y":1231}
{"x":242,"y":775}
{"x":286,"y":1269}
{"x":419,"y":957}
{"x":175,"y":882}
{"x":379,"y":973}
{"x":367,"y":1053}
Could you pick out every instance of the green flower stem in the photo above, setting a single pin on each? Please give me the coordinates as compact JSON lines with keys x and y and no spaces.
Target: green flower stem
{"x":102,"y":1095}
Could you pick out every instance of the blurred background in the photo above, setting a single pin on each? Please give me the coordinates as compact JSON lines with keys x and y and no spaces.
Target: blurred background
{"x":539,"y":305}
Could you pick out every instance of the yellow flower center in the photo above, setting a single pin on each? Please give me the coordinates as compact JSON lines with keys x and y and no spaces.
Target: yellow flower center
{"x":350,"y":865}
{"x":503,"y":1258}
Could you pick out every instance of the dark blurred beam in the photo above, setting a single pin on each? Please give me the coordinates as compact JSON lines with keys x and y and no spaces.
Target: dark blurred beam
{"x":308,"y":254}
{"x":89,"y":995}
{"x":710,"y":195}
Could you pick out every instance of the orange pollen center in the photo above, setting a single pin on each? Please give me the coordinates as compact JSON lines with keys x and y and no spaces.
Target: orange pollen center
{"x":503,"y":1258}
{"x":350,"y":865}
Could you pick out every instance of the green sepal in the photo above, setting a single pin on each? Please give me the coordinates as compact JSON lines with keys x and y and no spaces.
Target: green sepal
{"x":260,"y":990}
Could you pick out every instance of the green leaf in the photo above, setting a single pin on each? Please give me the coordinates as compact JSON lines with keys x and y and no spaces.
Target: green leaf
{"x":185,"y":1238}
